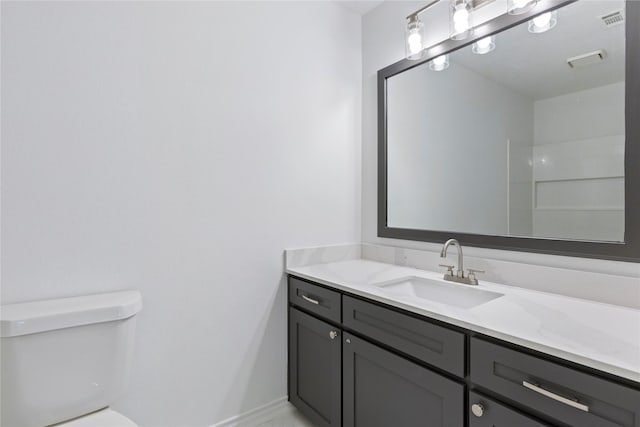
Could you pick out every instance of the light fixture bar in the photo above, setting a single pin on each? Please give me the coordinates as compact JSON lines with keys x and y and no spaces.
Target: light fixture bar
{"x":422,"y":9}
{"x":475,"y":4}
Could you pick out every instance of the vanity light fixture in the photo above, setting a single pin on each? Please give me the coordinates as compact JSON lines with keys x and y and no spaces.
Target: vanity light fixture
{"x":439,"y":63}
{"x":484,"y":45}
{"x":544,"y":22}
{"x":415,"y":37}
{"x":460,"y":24}
{"x":415,"y":33}
{"x":460,"y":19}
{"x":516,"y":7}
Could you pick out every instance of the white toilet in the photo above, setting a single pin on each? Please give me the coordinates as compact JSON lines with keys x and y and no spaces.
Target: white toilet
{"x":64,"y":361}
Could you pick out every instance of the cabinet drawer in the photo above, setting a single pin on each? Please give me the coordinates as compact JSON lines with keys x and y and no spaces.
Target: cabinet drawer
{"x":495,"y":414}
{"x":321,"y":301}
{"x":435,"y":345}
{"x":569,"y":396}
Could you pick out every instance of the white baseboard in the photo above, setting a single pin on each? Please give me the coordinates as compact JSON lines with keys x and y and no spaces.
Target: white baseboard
{"x":257,"y":416}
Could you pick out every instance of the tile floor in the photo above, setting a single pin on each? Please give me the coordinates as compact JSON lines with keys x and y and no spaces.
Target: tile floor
{"x":287,"y":417}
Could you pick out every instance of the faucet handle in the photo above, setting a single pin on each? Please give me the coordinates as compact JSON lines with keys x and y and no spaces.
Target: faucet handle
{"x":472,"y":274}
{"x":449,"y":268}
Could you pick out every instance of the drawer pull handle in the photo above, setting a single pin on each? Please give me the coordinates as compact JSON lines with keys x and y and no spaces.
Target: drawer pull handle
{"x":311,"y":300}
{"x":556,"y":397}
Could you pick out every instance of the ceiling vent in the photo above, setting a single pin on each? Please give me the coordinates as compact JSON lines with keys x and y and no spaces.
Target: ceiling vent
{"x":585,"y":59}
{"x":613,"y":18}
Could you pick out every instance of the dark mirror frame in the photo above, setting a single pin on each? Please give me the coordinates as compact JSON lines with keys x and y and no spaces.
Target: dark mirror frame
{"x":627,"y":251}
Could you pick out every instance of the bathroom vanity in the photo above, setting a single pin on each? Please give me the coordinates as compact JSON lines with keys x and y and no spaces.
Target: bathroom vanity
{"x":363,"y":354}
{"x":378,"y":345}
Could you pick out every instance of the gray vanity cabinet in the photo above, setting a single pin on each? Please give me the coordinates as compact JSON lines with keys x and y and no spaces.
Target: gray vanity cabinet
{"x":381,"y":389}
{"x":315,"y":358}
{"x":358,"y":363}
{"x":339,"y":379}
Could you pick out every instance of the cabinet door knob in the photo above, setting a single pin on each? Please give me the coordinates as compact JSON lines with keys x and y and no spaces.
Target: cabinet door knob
{"x":333,"y":334}
{"x":477,"y":409}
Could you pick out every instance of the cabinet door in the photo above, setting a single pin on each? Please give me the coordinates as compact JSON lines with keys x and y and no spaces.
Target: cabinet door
{"x":314,"y":368}
{"x":382,"y":389}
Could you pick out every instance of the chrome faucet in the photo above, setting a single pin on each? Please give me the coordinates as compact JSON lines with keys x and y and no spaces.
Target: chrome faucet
{"x":459,"y":276}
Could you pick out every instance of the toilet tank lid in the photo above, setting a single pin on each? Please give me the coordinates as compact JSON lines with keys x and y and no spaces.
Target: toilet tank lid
{"x":46,"y":315}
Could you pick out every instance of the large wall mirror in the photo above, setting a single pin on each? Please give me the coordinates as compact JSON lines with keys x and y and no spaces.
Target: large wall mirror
{"x":526,"y":141}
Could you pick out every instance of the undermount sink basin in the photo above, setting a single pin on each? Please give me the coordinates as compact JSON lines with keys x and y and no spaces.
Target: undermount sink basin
{"x":463,"y":296}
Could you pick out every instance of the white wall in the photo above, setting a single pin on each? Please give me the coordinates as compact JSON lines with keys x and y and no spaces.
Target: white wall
{"x":382,"y":45}
{"x":429,"y":141}
{"x":177,"y":148}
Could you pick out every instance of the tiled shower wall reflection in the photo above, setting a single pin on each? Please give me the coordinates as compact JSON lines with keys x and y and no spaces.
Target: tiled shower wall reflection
{"x":570,"y":183}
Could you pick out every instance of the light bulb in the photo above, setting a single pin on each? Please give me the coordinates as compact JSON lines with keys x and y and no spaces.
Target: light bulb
{"x":415,"y":42}
{"x":415,"y":38}
{"x":439,"y":60}
{"x":460,"y":19}
{"x":439,"y":63}
{"x":544,"y":22}
{"x":461,"y":27}
{"x":461,"y":15}
{"x":415,"y":48}
{"x":516,"y":7}
{"x":484,"y":45}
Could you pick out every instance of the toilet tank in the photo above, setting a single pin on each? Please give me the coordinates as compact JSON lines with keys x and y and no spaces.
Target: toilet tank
{"x":63,"y":358}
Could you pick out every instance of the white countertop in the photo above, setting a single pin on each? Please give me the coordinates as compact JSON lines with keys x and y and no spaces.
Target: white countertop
{"x":601,"y":336}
